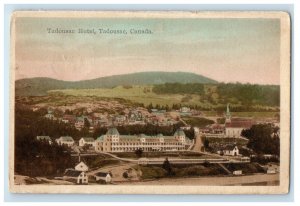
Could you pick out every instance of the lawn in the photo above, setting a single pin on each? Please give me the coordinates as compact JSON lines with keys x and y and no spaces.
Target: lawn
{"x":255,"y":115}
{"x":135,"y":94}
{"x":197,"y":121}
{"x":248,"y":168}
{"x":154,"y":172}
{"x":227,"y":140}
{"x":99,"y":161}
{"x":182,"y":155}
{"x":151,"y":172}
{"x":138,"y":94}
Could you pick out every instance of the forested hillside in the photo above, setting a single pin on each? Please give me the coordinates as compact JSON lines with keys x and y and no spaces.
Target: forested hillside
{"x":240,"y":94}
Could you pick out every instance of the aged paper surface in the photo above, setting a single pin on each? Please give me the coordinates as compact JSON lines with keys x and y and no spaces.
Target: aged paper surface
{"x":150,"y":102}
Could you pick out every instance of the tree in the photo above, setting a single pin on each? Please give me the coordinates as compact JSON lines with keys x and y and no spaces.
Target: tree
{"x":167,"y":108}
{"x":125,"y":175}
{"x":86,"y":147}
{"x":139,"y":152}
{"x":206,"y":143}
{"x":86,"y":123}
{"x":167,"y":166}
{"x":262,"y":140}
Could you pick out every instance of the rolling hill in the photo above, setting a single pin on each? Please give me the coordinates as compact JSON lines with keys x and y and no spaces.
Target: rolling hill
{"x":40,"y":85}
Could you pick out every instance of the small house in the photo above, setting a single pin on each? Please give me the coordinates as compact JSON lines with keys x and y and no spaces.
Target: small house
{"x":231,"y":150}
{"x":237,"y":172}
{"x":81,"y":166}
{"x":68,"y":118}
{"x":103,"y":176}
{"x":272,"y":168}
{"x":44,"y":138}
{"x":65,"y":140}
{"x":49,"y":116}
{"x":91,"y":129}
{"x":75,"y":176}
{"x":86,"y":141}
{"x":185,"y":109}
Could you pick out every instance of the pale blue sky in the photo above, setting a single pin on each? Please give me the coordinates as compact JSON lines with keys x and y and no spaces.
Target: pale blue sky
{"x":229,"y":50}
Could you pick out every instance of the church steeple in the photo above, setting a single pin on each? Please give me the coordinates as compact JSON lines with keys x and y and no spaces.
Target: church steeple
{"x":228,"y":115}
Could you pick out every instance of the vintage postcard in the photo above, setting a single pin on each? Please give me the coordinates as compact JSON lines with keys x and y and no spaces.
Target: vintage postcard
{"x":150,"y":102}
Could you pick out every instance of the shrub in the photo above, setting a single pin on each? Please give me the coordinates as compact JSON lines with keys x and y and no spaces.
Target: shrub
{"x":125,"y":175}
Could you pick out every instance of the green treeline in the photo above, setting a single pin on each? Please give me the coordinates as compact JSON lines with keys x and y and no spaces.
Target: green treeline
{"x":234,"y":93}
{"x":38,"y":158}
{"x":177,"y":88}
{"x":263,"y":139}
{"x":251,"y":93}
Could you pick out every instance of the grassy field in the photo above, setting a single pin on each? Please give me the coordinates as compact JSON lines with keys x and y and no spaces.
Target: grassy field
{"x":99,"y":161}
{"x":197,"y":121}
{"x":247,"y":168}
{"x":243,"y":114}
{"x":151,"y":172}
{"x":144,"y":95}
{"x":138,"y":94}
{"x":183,"y":155}
{"x":154,"y":172}
{"x":238,"y":141}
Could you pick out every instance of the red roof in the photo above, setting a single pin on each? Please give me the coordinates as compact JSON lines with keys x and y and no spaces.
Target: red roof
{"x":217,"y":126}
{"x":240,"y":124}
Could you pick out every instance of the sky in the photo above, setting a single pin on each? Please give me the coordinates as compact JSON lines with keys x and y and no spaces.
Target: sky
{"x":226,"y":50}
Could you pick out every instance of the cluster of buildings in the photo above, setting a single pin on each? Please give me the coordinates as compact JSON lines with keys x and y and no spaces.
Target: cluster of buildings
{"x":232,"y":128}
{"x":78,"y":174}
{"x":137,"y":116}
{"x":112,"y":141}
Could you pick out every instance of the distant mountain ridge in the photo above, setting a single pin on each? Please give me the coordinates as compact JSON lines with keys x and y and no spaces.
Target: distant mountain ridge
{"x":40,"y":85}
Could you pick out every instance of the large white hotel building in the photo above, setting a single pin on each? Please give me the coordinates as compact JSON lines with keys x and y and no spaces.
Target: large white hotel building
{"x":112,"y":141}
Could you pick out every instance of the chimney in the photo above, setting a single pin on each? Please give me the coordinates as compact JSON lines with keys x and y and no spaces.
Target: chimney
{"x":79,"y":157}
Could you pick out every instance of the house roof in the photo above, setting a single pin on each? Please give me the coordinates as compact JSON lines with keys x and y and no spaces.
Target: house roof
{"x":81,"y":163}
{"x":229,"y":147}
{"x":112,"y":131}
{"x":69,"y":116}
{"x":143,"y":136}
{"x":128,"y":137}
{"x":72,"y":173}
{"x":101,"y":174}
{"x":66,"y":139}
{"x":239,"y":124}
{"x":168,"y":137}
{"x":88,"y":139}
{"x":101,"y":138}
{"x":81,"y":119}
{"x":179,"y":132}
{"x":216,"y":126}
{"x":43,"y":138}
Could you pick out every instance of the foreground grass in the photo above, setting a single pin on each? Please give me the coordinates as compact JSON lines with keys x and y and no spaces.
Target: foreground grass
{"x":182,"y":155}
{"x":99,"y":161}
{"x":155,"y":172}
